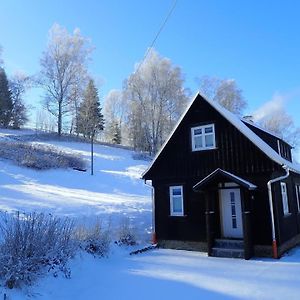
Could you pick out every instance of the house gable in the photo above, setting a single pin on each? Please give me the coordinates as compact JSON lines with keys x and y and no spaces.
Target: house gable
{"x":238,"y":148}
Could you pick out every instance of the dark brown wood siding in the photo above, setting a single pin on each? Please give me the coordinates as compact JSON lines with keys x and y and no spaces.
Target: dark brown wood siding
{"x":234,"y":152}
{"x":177,"y":164}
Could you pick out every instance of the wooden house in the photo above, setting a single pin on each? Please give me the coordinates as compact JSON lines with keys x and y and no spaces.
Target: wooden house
{"x":223,"y":185}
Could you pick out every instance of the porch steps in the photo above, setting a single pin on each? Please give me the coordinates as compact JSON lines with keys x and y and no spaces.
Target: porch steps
{"x":228,"y":248}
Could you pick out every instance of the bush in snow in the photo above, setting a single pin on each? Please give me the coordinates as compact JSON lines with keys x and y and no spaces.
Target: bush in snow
{"x":126,"y":234}
{"x":141,"y":156}
{"x":94,"y":239}
{"x":31,"y":244}
{"x":39,"y":156}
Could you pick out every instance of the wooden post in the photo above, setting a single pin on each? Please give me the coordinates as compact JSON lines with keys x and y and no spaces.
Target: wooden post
{"x":210,"y":225}
{"x":248,"y":247}
{"x":247,"y":199}
{"x":92,"y":154}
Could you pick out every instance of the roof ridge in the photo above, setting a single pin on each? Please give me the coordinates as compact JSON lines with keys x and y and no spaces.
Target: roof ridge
{"x":257,"y":125}
{"x":243,"y":128}
{"x":252,"y":136}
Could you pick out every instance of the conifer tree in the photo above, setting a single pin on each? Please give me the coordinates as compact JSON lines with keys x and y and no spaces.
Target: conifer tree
{"x":6,"y":104}
{"x":19,"y":83}
{"x":90,"y":119}
{"x":116,"y":134}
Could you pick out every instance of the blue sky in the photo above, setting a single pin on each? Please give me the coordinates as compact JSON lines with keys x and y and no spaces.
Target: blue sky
{"x":254,"y":42}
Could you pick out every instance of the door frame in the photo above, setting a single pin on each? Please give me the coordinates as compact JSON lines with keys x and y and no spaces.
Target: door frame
{"x":233,"y":187}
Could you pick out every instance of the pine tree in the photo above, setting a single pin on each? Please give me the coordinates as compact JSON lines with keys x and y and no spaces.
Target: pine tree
{"x":116,"y":134}
{"x":90,"y":119}
{"x":18,"y":84}
{"x":6,"y":104}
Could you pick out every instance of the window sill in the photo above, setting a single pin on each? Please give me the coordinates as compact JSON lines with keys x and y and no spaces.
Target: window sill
{"x":204,"y":149}
{"x":177,"y":216}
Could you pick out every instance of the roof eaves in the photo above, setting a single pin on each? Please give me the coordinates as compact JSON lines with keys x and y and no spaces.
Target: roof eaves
{"x":255,"y":139}
{"x":265,"y":130}
{"x":228,"y":175}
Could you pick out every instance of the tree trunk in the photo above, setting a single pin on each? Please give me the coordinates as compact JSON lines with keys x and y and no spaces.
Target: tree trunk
{"x":59,"y":118}
{"x":92,"y":154}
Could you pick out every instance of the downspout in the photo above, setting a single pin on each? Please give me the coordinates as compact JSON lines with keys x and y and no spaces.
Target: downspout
{"x":154,"y":240}
{"x":274,"y":242}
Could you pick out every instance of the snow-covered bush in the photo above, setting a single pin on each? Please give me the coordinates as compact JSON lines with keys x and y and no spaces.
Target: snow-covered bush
{"x":141,"y":156}
{"x":39,"y":156}
{"x":32,"y":244}
{"x":127,"y":234}
{"x":94,"y":239}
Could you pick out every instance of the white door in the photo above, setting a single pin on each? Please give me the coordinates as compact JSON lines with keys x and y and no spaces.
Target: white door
{"x":231,"y":213}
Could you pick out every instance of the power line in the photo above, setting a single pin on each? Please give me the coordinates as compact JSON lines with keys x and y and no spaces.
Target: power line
{"x":158,"y":33}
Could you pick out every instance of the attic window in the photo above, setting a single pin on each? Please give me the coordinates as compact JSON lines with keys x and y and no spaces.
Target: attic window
{"x":203,"y":137}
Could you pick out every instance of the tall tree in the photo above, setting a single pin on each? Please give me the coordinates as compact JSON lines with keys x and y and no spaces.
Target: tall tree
{"x":224,"y":91}
{"x":63,"y":66}
{"x":90,"y":119}
{"x":116,"y":133}
{"x":115,"y":111}
{"x":156,"y":98}
{"x":6,"y":104}
{"x":19,"y":83}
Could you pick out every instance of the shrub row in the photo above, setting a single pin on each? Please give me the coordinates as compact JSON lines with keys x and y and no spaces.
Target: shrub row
{"x":39,"y":156}
{"x":34,"y":244}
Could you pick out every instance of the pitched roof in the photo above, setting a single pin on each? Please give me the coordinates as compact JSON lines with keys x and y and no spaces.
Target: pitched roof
{"x":220,"y":172}
{"x":265,"y":130}
{"x":244,"y":129}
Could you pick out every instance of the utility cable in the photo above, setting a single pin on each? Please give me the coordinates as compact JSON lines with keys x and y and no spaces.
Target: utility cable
{"x":157,"y":34}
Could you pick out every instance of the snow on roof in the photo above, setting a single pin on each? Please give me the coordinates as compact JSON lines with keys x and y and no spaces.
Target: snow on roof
{"x":264,"y":129}
{"x":244,"y":129}
{"x":233,"y":177}
{"x":255,"y":139}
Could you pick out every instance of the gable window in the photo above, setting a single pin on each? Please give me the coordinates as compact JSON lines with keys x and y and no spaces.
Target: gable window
{"x":176,"y":200}
{"x":298,"y":196}
{"x":285,"y":202}
{"x":203,"y":137}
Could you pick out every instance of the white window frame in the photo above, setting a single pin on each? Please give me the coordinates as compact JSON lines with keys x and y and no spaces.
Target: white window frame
{"x":172,"y":212}
{"x":297,"y":187}
{"x":203,"y":134}
{"x":284,"y":197}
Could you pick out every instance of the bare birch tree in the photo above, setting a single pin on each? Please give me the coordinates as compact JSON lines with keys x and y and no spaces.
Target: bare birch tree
{"x":114,"y":111}
{"x":63,"y":66}
{"x":224,"y":91}
{"x":156,"y":99}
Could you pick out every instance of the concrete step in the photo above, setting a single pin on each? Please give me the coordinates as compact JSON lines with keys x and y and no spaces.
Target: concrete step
{"x":231,"y":253}
{"x":229,"y":244}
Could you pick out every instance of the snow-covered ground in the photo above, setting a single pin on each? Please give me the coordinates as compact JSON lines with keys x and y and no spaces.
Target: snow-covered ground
{"x":113,"y":192}
{"x":171,"y":274}
{"x":116,"y":191}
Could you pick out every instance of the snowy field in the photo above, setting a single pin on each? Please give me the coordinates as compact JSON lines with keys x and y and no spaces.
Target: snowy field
{"x":171,"y":274}
{"x":115,"y":192}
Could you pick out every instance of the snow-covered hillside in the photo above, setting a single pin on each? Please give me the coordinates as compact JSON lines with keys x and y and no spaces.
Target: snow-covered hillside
{"x":115,"y":191}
